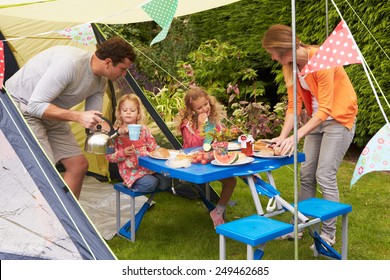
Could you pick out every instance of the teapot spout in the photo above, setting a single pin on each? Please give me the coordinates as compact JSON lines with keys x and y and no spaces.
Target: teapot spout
{"x":116,"y":134}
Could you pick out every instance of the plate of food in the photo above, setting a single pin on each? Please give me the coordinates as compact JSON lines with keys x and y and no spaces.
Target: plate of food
{"x":232,"y":159}
{"x":261,"y":144}
{"x":233,"y":146}
{"x":160,"y":153}
{"x":269,"y":152}
{"x":259,"y":155}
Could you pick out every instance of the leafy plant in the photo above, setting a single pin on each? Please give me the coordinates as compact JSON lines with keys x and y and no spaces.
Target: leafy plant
{"x":223,"y":134}
{"x":257,"y":119}
{"x":219,"y":68}
{"x":167,"y":102}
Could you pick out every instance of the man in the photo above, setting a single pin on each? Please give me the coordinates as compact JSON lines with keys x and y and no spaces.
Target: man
{"x":55,"y":80}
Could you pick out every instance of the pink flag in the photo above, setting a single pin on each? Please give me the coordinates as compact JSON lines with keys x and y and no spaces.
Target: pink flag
{"x":338,"y":49}
{"x":2,"y":65}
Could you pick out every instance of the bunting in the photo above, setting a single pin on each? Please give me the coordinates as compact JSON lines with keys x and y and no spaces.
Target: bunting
{"x":162,"y":12}
{"x":81,"y":33}
{"x":2,"y":64}
{"x":375,"y":156}
{"x":339,"y":49}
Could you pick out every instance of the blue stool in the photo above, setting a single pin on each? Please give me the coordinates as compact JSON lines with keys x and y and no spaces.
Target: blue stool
{"x":254,"y":231}
{"x":322,"y":210}
{"x":129,"y":229}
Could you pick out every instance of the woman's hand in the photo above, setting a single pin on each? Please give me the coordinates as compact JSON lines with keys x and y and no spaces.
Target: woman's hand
{"x":286,"y":145}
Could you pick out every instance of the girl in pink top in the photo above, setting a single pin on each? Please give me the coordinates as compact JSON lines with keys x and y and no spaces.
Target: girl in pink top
{"x":203,"y":110}
{"x":130,"y":111}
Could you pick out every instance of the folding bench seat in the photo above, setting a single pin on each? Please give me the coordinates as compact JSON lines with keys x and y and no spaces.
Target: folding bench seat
{"x":311,"y":212}
{"x":322,"y":210}
{"x":254,"y":231}
{"x":129,"y":229}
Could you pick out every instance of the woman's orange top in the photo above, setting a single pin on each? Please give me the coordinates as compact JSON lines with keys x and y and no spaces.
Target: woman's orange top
{"x":334,"y":92}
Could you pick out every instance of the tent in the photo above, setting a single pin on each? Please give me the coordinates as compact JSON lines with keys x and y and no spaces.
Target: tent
{"x":39,"y":217}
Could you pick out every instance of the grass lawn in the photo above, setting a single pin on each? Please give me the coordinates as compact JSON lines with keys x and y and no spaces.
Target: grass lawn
{"x":178,"y":228}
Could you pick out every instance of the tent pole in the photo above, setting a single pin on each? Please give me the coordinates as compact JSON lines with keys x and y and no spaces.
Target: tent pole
{"x":148,"y":106}
{"x":327,"y":18}
{"x":100,"y":38}
{"x":294,"y":51}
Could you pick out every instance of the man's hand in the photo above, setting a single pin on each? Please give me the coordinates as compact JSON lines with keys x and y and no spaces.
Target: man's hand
{"x":89,"y":119}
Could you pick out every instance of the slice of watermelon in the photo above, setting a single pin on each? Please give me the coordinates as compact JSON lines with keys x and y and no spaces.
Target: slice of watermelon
{"x":229,"y":158}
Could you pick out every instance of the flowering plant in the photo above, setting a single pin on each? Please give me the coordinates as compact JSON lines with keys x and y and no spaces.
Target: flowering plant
{"x":223,"y":134}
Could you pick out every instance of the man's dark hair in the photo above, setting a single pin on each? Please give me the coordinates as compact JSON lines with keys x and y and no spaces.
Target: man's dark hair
{"x":117,"y":49}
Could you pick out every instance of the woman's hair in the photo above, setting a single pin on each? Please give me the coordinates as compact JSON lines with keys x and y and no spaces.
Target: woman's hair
{"x":278,"y":38}
{"x":194,"y":93}
{"x":137,"y":101}
{"x":116,"y":49}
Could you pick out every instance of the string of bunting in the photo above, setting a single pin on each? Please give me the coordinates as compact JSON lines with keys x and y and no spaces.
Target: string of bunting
{"x":161,"y":11}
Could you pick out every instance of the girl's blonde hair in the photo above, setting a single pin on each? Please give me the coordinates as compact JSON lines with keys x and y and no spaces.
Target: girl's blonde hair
{"x":194,"y":93}
{"x":137,"y":101}
{"x":278,"y":38}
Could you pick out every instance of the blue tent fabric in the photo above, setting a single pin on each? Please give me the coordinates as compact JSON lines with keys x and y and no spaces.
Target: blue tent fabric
{"x":52,"y":190}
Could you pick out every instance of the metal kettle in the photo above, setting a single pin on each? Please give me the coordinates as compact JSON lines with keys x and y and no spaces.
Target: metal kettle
{"x":100,"y":142}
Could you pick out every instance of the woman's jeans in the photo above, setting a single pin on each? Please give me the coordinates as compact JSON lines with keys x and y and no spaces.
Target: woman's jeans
{"x":151,"y":182}
{"x":324,"y":150}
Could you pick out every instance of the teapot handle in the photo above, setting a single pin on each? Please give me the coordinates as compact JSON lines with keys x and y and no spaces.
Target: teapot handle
{"x":112,"y":130}
{"x":99,"y":127}
{"x":88,"y":132}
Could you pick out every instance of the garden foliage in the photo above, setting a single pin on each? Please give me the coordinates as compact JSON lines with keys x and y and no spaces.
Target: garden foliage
{"x":223,"y":48}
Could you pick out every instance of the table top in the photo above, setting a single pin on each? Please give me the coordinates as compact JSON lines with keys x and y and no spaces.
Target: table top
{"x":204,"y":173}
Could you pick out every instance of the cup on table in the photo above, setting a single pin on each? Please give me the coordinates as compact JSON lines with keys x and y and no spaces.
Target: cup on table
{"x":134,"y":131}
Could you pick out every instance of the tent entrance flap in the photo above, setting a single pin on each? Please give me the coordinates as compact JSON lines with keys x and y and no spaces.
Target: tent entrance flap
{"x":38,"y":219}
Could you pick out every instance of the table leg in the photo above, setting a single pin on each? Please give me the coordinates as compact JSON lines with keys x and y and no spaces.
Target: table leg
{"x":255,"y":196}
{"x":344,"y":237}
{"x":273,"y":204}
{"x":207,"y":191}
{"x":222,"y":247}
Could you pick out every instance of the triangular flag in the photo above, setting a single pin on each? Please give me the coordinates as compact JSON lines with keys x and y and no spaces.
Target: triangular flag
{"x":162,"y":12}
{"x":338,"y":49}
{"x":2,"y":64}
{"x":81,"y":33}
{"x":375,"y":156}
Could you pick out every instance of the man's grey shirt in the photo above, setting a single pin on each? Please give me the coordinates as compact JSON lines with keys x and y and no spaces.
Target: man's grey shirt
{"x":60,"y":75}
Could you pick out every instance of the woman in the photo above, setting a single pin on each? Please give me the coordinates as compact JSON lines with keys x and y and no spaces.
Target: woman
{"x":331,"y":102}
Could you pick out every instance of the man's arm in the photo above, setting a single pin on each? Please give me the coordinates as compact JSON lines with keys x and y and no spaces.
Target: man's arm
{"x":88,"y":119}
